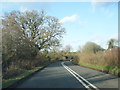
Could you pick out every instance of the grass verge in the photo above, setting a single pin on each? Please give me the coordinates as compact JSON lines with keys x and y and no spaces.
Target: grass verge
{"x":108,"y":69}
{"x":6,"y":83}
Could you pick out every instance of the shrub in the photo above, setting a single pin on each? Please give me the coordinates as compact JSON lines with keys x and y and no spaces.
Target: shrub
{"x":12,"y":71}
{"x":109,"y":59}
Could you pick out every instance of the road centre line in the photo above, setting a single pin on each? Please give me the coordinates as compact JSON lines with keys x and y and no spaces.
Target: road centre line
{"x":83,"y":81}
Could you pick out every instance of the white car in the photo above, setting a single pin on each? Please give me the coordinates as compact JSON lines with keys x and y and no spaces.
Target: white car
{"x":71,"y":59}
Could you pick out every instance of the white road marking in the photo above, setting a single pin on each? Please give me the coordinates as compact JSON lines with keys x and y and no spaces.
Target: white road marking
{"x":80,"y":78}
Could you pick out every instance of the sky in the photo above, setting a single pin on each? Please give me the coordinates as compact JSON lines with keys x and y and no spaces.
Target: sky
{"x":84,"y":21}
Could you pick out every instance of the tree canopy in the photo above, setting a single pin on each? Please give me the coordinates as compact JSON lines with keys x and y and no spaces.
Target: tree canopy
{"x":111,"y":43}
{"x":25,"y":34}
{"x":91,"y":47}
{"x":45,"y":31}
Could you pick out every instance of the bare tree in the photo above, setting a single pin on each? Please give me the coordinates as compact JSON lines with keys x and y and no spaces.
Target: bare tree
{"x":44,"y":30}
{"x":68,"y":48}
{"x":79,"y":49}
{"x":15,"y":45}
{"x":25,"y":33}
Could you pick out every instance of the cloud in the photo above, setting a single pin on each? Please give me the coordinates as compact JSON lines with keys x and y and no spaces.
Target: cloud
{"x":69,"y":18}
{"x":104,"y":7}
{"x":27,"y":0}
{"x":19,"y":0}
{"x":102,"y":3}
{"x":96,"y":2}
{"x":58,"y":0}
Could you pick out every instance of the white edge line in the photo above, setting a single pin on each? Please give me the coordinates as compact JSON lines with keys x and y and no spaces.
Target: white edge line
{"x":83,"y":79}
{"x":75,"y":76}
{"x":73,"y":72}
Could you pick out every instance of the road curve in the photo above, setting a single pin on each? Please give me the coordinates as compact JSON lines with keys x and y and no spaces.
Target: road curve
{"x":66,"y":75}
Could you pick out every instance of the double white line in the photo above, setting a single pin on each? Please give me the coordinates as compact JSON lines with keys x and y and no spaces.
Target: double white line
{"x":83,"y":81}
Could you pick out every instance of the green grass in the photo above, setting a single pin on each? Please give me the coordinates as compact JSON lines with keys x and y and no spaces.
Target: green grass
{"x":93,"y":66}
{"x":11,"y":81}
{"x":113,"y":70}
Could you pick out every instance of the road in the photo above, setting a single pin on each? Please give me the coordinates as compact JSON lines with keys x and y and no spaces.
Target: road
{"x":66,"y":75}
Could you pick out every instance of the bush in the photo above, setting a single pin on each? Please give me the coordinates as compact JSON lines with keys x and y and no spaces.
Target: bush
{"x":12,"y":71}
{"x":107,"y":58}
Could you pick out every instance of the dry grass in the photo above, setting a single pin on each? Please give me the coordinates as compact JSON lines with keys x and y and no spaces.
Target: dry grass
{"x":101,"y":58}
{"x":108,"y":60}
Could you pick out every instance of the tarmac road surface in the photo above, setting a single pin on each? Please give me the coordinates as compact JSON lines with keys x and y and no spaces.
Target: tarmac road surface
{"x":64,"y":74}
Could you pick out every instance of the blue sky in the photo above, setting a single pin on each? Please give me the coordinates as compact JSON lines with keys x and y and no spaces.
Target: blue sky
{"x":84,"y":21}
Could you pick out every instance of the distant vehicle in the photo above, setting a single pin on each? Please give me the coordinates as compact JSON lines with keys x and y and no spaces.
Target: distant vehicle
{"x":71,"y":59}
